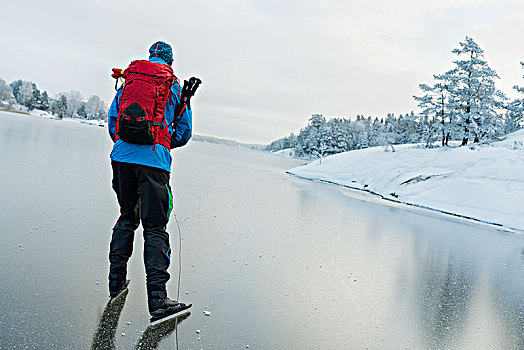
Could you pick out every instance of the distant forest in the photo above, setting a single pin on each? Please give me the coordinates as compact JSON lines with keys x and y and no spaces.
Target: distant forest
{"x":462,"y":104}
{"x":25,"y":95}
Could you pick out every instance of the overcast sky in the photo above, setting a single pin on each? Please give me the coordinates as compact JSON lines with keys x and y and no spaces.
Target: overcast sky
{"x":266,"y":65}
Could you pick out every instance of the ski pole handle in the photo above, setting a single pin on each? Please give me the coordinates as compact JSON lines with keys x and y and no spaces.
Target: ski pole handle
{"x":188,"y":91}
{"x":194,"y":83}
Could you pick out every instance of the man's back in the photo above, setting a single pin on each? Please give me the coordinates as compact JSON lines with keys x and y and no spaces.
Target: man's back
{"x":141,"y":174}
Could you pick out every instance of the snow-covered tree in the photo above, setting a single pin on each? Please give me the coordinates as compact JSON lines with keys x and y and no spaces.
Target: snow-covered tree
{"x":283,"y":143}
{"x":358,"y":132}
{"x":44,"y":103}
{"x":515,"y":116}
{"x":95,"y":108}
{"x":411,"y":128}
{"x":23,"y":92}
{"x":309,"y":140}
{"x":26,"y":93}
{"x":338,"y":139}
{"x":435,"y":105}
{"x":520,"y":88}
{"x":36,"y":100}
{"x":7,"y":99}
{"x":375,"y":130}
{"x":59,"y":106}
{"x":74,"y":101}
{"x":387,"y":136}
{"x":474,"y":100}
{"x":81,"y":113}
{"x":325,"y":141}
{"x":16,"y":86}
{"x":289,"y":141}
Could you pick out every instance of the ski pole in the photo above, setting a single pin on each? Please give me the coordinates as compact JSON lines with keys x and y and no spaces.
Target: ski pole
{"x":188,"y":91}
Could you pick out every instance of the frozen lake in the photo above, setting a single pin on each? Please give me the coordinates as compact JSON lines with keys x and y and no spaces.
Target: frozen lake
{"x":279,"y":262}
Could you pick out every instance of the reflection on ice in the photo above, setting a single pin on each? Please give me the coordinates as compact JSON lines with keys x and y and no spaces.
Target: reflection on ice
{"x":153,"y":335}
{"x":104,"y":338}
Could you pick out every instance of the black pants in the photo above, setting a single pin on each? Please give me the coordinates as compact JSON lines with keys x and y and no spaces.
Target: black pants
{"x":144,"y":195}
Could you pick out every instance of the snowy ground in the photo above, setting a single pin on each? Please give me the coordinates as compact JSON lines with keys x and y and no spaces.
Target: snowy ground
{"x":40,"y":113}
{"x":485,"y":183}
{"x":287,"y":152}
{"x":45,"y":114}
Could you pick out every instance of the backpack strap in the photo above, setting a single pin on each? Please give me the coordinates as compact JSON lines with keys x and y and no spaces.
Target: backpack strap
{"x":167,"y":91}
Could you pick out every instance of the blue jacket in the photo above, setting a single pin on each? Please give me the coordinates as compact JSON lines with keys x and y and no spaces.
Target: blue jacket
{"x":144,"y":154}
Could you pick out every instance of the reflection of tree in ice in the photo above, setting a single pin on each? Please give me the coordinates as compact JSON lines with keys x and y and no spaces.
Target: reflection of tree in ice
{"x":444,"y":297}
{"x":507,"y":285}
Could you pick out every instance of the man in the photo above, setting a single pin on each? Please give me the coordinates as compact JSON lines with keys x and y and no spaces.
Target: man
{"x":141,"y":181}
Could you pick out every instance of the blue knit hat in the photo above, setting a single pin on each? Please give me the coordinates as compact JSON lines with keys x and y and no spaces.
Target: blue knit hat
{"x":161,"y":50}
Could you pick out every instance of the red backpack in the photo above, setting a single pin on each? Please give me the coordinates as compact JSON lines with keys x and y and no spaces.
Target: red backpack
{"x":142,"y":105}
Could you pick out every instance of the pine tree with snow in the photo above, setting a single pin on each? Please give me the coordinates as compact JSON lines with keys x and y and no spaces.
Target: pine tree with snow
{"x":515,"y":115}
{"x":7,"y":99}
{"x":74,"y":102}
{"x":474,"y":99}
{"x":95,"y":108}
{"x":387,"y":136}
{"x":35,"y":101}
{"x":401,"y":130}
{"x":81,"y":112}
{"x":308,"y":141}
{"x":435,"y":105}
{"x":26,"y":93}
{"x":338,"y":142}
{"x":289,"y":141}
{"x":16,"y":85}
{"x":375,"y":131}
{"x":313,"y":137}
{"x":59,"y":106}
{"x":283,"y":143}
{"x":411,"y":127}
{"x":44,"y":101}
{"x":361,"y":130}
{"x":520,"y":88}
{"x":325,"y":141}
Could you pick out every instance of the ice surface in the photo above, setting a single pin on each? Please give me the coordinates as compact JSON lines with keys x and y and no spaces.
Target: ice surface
{"x":239,"y":205}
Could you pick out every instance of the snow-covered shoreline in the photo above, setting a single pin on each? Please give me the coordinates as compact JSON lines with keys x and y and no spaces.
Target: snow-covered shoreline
{"x":482,"y":183}
{"x":46,"y":115}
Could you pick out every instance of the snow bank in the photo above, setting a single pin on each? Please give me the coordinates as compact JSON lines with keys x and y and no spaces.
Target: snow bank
{"x":484,"y":183}
{"x":287,"y":152}
{"x":44,"y":114}
{"x":41,"y":113}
